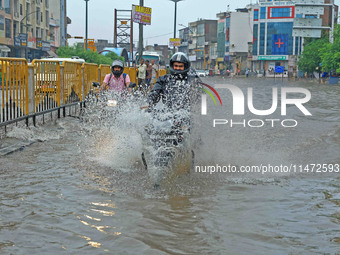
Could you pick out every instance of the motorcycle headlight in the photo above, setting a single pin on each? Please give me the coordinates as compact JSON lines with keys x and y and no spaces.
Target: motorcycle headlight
{"x":112,"y":103}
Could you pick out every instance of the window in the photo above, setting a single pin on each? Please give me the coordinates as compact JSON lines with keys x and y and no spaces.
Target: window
{"x":279,"y":38}
{"x":28,"y":10}
{"x":8,"y":6}
{"x":37,"y":16}
{"x":255,"y":39}
{"x":299,"y":15}
{"x":310,"y":16}
{"x":263,"y":12}
{"x":2,"y":22}
{"x":262,"y":36}
{"x":200,"y":29}
{"x":41,"y":17}
{"x":47,"y":19}
{"x":256,"y":14}
{"x":280,"y":12}
{"x":20,"y":9}
{"x":8,"y":29}
{"x":200,"y":41}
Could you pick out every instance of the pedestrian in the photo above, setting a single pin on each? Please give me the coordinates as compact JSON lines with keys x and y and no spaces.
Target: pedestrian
{"x":148,"y":74}
{"x":247,"y":73}
{"x":141,"y":75}
{"x":155,"y":69}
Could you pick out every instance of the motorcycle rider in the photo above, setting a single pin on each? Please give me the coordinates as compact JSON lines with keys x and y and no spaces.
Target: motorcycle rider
{"x":117,"y":80}
{"x":177,"y":88}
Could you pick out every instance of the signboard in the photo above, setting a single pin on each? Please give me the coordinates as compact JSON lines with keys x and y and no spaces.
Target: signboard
{"x":17,"y":41}
{"x":141,"y":14}
{"x":175,"y":42}
{"x":39,"y":43}
{"x":279,"y":69}
{"x":272,"y":58}
{"x":280,"y":3}
{"x":90,"y":45}
{"x":45,"y":46}
{"x":192,"y":58}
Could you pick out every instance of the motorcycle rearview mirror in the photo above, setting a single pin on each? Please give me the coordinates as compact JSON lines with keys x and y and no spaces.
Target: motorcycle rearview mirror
{"x":95,"y":84}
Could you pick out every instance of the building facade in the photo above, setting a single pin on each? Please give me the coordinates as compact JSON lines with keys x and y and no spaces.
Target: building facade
{"x":202,"y":37}
{"x":279,"y":28}
{"x":30,"y":27}
{"x":273,"y":40}
{"x":232,"y":45}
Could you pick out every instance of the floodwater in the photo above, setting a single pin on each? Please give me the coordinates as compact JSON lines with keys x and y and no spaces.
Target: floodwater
{"x":81,"y":187}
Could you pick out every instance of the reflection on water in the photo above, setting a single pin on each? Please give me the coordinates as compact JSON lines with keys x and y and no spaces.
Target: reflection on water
{"x":86,"y":192}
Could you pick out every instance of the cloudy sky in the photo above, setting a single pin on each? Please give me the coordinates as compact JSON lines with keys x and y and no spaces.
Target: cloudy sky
{"x":101,"y":14}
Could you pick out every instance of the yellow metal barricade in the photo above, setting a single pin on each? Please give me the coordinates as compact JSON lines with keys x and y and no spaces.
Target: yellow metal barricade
{"x":14,"y":88}
{"x":72,"y":82}
{"x":104,"y":70}
{"x":90,"y":72}
{"x":133,"y":74}
{"x":46,"y":82}
{"x":161,"y":72}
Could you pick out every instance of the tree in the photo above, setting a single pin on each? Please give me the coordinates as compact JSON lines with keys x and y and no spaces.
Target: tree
{"x":88,"y":56}
{"x":331,"y":53}
{"x":311,"y":57}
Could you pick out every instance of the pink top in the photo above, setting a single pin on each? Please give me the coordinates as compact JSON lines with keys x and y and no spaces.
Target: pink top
{"x":116,"y":84}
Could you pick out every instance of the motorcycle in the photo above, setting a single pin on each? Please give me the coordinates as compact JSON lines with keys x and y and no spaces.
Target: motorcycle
{"x":168,"y":145}
{"x":105,"y":105}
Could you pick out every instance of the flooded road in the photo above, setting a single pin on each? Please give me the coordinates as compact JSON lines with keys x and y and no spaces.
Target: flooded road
{"x":81,"y":188}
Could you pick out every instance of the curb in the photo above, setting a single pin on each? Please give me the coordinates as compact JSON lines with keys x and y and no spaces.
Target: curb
{"x":14,"y":148}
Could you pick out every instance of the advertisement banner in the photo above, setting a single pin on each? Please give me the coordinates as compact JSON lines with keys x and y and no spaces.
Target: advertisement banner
{"x":175,"y":42}
{"x":141,"y":14}
{"x":39,"y":43}
{"x":17,"y":41}
{"x":45,"y":46}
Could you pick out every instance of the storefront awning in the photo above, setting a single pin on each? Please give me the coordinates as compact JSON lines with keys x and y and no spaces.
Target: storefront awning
{"x":52,"y":54}
{"x":4,"y":48}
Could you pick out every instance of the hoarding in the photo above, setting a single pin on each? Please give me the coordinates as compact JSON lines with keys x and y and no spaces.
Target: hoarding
{"x":175,"y":42}
{"x":141,"y":14}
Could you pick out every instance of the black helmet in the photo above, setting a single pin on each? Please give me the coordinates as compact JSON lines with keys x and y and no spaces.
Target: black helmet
{"x":181,"y":58}
{"x":120,"y":64}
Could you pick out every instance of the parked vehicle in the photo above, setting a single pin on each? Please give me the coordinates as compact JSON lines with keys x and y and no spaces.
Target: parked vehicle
{"x":201,"y":73}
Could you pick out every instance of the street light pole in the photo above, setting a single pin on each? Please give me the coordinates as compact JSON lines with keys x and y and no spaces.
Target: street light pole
{"x":140,"y":40}
{"x":26,"y":53}
{"x":175,"y":1}
{"x":86,"y":1}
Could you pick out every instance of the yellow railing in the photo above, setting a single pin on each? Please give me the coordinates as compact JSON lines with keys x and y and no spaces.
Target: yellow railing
{"x":14,"y":88}
{"x":46,"y":82}
{"x":104,"y":70}
{"x":90,"y":72}
{"x":161,"y":72}
{"x":72,"y":82}
{"x":46,"y":85}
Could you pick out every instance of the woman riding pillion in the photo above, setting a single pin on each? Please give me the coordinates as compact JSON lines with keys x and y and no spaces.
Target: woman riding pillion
{"x":117,"y":80}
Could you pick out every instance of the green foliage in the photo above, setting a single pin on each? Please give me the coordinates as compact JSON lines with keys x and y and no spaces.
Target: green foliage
{"x":321,"y":51}
{"x":331,"y":54}
{"x":311,"y":57}
{"x":88,"y":56}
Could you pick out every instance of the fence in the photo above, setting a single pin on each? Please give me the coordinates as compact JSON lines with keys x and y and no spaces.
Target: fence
{"x":14,"y":98}
{"x":44,"y":86}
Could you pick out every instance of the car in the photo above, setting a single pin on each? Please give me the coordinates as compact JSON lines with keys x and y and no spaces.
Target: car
{"x":201,"y":73}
